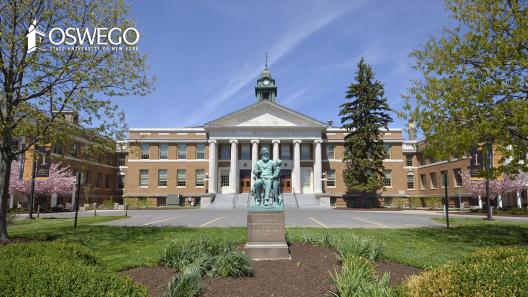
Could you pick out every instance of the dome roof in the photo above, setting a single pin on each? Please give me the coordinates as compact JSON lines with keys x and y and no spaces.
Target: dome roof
{"x":265,"y":73}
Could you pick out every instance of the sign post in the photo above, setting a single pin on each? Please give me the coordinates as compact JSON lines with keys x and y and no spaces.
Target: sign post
{"x":76,"y":201}
{"x":446,"y":201}
{"x":41,"y":162}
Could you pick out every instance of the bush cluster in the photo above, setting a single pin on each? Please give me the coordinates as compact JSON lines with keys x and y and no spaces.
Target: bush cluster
{"x":195,"y":258}
{"x":358,"y":278}
{"x":499,"y":271}
{"x":59,"y":268}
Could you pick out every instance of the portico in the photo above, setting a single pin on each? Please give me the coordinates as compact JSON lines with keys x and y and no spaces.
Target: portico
{"x":236,"y":139}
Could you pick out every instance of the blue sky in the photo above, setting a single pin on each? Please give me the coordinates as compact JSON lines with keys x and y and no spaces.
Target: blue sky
{"x":207,"y":55}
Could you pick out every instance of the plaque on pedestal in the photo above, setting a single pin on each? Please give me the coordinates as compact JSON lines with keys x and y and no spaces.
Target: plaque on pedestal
{"x":266,"y":235}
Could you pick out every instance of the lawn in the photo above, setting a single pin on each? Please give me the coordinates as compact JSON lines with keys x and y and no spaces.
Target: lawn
{"x":125,"y":247}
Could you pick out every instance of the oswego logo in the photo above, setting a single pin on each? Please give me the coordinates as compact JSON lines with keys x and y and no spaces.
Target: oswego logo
{"x":83,"y":39}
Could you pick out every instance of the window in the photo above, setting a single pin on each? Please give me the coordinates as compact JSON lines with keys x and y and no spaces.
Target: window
{"x":57,"y":149}
{"x":88,"y":179}
{"x":408,"y":160}
{"x":120,"y":181}
{"x":163,"y":151}
{"x":98,"y":180}
{"x":181,"y":176}
{"x":162,"y":177}
{"x":245,"y":151}
{"x":388,"y":154}
{"x":200,"y":174}
{"x":387,"y":178}
{"x":434,"y":181}
{"x":225,"y":151}
{"x":224,"y":181}
{"x":306,"y":153}
{"x":442,"y":174}
{"x":330,"y":178}
{"x":330,"y":151}
{"x":107,"y":181}
{"x":74,"y":150}
{"x":121,"y":159}
{"x":285,"y":153}
{"x":410,"y":181}
{"x":423,"y":182}
{"x":145,"y":151}
{"x":458,"y":177}
{"x":200,"y":151}
{"x":182,"y":151}
{"x":143,"y":177}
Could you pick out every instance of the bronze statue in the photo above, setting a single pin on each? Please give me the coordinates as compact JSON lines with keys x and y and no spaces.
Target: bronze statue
{"x":266,"y":189}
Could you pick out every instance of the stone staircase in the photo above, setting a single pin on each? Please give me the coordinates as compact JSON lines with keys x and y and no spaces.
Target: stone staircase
{"x":304,"y":201}
{"x":239,"y":201}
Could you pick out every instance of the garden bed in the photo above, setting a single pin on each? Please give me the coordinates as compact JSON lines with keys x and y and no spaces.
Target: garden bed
{"x":306,"y":274}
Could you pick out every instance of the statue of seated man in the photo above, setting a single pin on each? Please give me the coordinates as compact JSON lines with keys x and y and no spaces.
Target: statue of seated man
{"x":264,"y":177}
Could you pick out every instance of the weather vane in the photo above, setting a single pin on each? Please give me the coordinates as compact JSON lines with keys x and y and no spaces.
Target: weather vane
{"x":266,"y":60}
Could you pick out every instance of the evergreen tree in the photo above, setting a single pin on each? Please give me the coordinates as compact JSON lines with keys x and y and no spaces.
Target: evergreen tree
{"x":363,"y":116}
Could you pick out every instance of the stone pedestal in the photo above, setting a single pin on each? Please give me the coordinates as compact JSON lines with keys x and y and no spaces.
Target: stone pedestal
{"x":266,"y":236}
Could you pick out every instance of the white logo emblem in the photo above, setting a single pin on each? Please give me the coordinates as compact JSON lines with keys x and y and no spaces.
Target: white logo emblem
{"x":32,"y":36}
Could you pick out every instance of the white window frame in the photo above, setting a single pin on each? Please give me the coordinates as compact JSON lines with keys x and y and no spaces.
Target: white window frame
{"x":163,"y":153}
{"x":331,"y":178}
{"x":143,"y":177}
{"x":182,"y":151}
{"x":162,"y":181}
{"x":145,"y":151}
{"x":200,"y":151}
{"x":181,"y":182}
{"x":199,"y":178}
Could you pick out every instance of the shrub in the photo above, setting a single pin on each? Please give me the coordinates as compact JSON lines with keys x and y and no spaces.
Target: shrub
{"x":488,"y":272}
{"x":232,"y":264}
{"x":184,"y":285}
{"x":349,"y":246}
{"x":181,"y":253}
{"x":415,"y":202}
{"x":59,"y":269}
{"x":358,"y":278}
{"x":433,"y":202}
{"x":399,"y":202}
{"x":11,"y":218}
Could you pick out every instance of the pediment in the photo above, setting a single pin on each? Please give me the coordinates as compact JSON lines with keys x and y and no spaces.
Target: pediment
{"x":265,"y":114}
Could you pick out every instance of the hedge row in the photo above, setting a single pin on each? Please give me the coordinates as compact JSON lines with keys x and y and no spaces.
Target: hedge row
{"x":501,"y":271}
{"x":59,"y":269}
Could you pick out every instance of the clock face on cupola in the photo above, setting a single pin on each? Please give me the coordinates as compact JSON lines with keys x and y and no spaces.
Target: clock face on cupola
{"x":265,"y":88}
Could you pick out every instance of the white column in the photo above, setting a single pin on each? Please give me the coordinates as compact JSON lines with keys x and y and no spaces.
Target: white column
{"x":254,"y":157}
{"x":212,"y":166}
{"x":296,"y":172}
{"x":318,"y":167}
{"x":233,"y":183}
{"x":275,"y":149}
{"x":53,"y":199}
{"x":11,"y":200}
{"x":479,"y":202}
{"x":499,"y":201}
{"x":519,"y":202}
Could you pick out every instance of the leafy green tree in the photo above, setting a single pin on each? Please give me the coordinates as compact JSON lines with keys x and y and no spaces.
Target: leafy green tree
{"x":474,"y":86}
{"x":364,"y":116}
{"x":37,"y":86}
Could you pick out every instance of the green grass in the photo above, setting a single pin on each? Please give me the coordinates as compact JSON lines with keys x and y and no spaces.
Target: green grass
{"x":125,"y":247}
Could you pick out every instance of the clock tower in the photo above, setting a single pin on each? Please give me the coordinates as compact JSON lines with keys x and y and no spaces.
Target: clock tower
{"x":266,"y":88}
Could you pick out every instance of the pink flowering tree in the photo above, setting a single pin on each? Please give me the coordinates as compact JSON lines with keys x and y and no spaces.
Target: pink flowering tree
{"x":60,"y":181}
{"x":508,"y":184}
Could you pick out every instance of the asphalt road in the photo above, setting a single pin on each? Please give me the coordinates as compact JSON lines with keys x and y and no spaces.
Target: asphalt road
{"x":320,"y":218}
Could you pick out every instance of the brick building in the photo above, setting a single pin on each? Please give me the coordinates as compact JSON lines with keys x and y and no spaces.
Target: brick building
{"x":217,"y":158}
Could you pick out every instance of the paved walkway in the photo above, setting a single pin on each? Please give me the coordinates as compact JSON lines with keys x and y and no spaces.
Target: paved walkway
{"x":321,"y":218}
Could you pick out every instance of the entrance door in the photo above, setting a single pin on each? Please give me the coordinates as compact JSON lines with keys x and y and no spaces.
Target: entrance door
{"x":245,"y":180}
{"x":306,"y":180}
{"x":224,"y":180}
{"x":285,"y":178}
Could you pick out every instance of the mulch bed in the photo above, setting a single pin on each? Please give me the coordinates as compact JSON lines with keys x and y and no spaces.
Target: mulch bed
{"x":398,"y":272}
{"x":154,"y":278}
{"x":306,"y":274}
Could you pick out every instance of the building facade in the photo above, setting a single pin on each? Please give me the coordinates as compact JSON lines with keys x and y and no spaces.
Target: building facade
{"x":217,"y":158}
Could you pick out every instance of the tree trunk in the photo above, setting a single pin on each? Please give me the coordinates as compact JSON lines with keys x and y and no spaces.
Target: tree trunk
{"x":5,"y":170}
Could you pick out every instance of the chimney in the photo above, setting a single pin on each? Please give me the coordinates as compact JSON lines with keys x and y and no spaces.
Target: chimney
{"x":70,"y":116}
{"x":411,"y":130}
{"x":330,"y":123}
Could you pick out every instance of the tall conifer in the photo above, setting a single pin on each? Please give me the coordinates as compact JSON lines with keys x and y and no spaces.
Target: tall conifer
{"x":364,"y":114}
